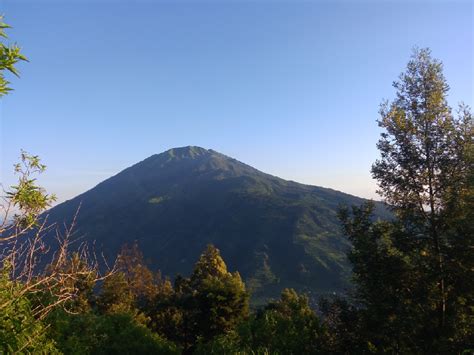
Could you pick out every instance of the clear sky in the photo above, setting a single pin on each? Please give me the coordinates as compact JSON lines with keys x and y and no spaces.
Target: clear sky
{"x":290,"y":87}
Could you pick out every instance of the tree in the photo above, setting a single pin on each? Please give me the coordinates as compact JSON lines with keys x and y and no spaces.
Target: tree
{"x":23,"y":228}
{"x":20,"y":331}
{"x":142,"y":282}
{"x":208,"y":304}
{"x":24,"y":201}
{"x":422,"y":170}
{"x":285,"y":326}
{"x":134,"y":288}
{"x":388,"y":288}
{"x":33,"y":280}
{"x":166,"y":313}
{"x":219,"y":297}
{"x":344,"y":328}
{"x":50,"y":279}
{"x":83,"y":283}
{"x":210,"y":264}
{"x":90,"y":333}
{"x":412,"y":273}
{"x":116,"y":297}
{"x":288,"y":326}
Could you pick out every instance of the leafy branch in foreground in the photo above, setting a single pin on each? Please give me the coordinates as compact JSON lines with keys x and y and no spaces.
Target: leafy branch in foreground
{"x":24,"y":201}
{"x":38,"y":269}
{"x":10,"y":55}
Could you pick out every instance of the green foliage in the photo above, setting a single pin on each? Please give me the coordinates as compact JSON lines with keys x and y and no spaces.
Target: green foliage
{"x":20,"y":332}
{"x":132,"y":288}
{"x":10,"y":55}
{"x":82,"y":280}
{"x":287,"y":326}
{"x":211,"y":198}
{"x":230,"y":343}
{"x":386,"y":282}
{"x":141,"y":281}
{"x":412,"y":274}
{"x":208,"y":304}
{"x":89,"y":333}
{"x":164,"y":314}
{"x":220,"y":296}
{"x":116,"y":295}
{"x":346,"y":333}
{"x":424,"y":174}
{"x":209,"y":266}
{"x":27,"y":196}
{"x":422,"y":148}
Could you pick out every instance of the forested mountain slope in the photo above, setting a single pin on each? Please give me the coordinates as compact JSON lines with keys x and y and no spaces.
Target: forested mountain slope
{"x":276,"y":233}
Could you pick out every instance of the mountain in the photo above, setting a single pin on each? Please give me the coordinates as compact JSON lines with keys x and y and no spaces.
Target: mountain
{"x":276,"y":233}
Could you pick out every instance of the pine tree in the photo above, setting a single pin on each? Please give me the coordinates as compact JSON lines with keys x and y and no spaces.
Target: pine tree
{"x":212,"y":301}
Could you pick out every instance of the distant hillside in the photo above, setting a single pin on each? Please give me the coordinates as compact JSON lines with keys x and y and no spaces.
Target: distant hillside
{"x":276,"y":233}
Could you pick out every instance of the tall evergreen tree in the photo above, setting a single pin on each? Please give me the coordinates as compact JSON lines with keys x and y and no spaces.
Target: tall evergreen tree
{"x":219,"y":296}
{"x":412,"y":274}
{"x":423,"y":170}
{"x":209,"y":303}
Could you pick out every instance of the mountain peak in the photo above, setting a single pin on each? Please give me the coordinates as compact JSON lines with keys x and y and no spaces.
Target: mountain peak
{"x":277,"y":233}
{"x":187,"y":152}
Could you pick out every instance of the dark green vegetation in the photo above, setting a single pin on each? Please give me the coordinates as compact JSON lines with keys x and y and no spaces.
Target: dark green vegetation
{"x":138,"y":312}
{"x":277,"y":233}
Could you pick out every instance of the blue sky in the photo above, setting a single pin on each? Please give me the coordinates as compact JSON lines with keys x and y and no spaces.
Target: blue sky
{"x":290,"y":87}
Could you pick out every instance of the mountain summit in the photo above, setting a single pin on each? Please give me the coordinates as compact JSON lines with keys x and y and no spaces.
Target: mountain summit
{"x":276,"y":233}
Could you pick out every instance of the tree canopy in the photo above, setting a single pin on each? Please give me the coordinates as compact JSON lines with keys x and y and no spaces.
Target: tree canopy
{"x":412,"y":273}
